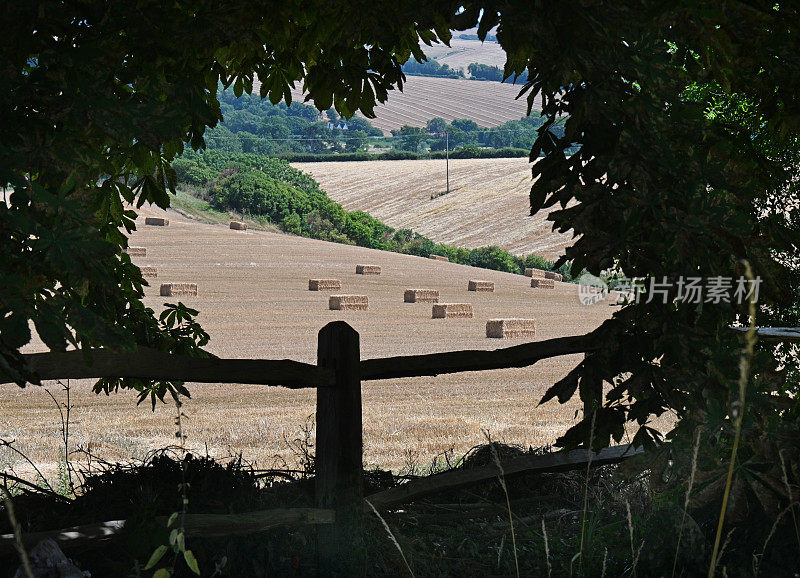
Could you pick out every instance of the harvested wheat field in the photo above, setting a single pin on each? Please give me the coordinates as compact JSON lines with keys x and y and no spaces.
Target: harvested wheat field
{"x":255,"y":303}
{"x":423,"y":98}
{"x":463,"y":52}
{"x":488,"y":203}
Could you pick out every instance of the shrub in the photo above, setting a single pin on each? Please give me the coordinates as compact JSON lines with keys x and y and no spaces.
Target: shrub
{"x":258,"y":193}
{"x":493,"y":257}
{"x":293,"y":224}
{"x":455,"y":254}
{"x":365,"y":230}
{"x":191,"y":172}
{"x":538,"y":262}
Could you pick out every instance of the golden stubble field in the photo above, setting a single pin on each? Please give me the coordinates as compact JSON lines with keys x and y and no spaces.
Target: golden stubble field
{"x":463,"y":52}
{"x":488,"y":203}
{"x":254,"y":301}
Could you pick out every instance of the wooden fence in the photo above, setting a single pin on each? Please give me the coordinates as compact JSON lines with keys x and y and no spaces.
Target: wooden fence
{"x":337,"y":377}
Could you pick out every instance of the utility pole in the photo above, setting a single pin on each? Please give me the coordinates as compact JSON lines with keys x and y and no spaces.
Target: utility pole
{"x":447,"y":157}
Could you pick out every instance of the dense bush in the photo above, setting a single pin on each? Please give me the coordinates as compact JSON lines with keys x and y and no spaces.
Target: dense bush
{"x":191,"y":172}
{"x":390,"y":155}
{"x":253,"y":191}
{"x":537,"y":262}
{"x":494,"y":258}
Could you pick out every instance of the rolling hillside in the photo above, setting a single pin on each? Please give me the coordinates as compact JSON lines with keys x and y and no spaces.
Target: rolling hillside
{"x":488,"y":203}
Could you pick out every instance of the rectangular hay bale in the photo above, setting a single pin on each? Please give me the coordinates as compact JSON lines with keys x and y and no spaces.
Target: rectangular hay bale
{"x":178,"y":289}
{"x":474,"y":285}
{"x":510,"y":328}
{"x":324,"y":284}
{"x":439,"y":258}
{"x":348,"y":302}
{"x":136,"y":251}
{"x":535,"y":273}
{"x":421,"y":296}
{"x":148,"y":271}
{"x":157,"y":221}
{"x":238,"y":226}
{"x":553,"y":275}
{"x":452,"y":310}
{"x":543,"y":283}
{"x":368,"y":270}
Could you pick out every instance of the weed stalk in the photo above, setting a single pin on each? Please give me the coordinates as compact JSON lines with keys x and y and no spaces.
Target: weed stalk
{"x":737,"y":414}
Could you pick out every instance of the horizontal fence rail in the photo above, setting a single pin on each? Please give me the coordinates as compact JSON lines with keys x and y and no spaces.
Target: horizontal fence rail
{"x":790,"y":334}
{"x":153,"y":364}
{"x":474,"y":360}
{"x":148,"y":363}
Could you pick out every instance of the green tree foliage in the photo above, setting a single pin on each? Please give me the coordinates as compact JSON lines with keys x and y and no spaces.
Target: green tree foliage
{"x":96,"y":101}
{"x":356,"y":140}
{"x":488,"y":38}
{"x":479,"y":71}
{"x":412,"y":138}
{"x":436,"y":126}
{"x":466,"y":125}
{"x":256,"y":192}
{"x":688,"y":162}
{"x":254,"y":125}
{"x":494,"y":258}
{"x":684,"y":130}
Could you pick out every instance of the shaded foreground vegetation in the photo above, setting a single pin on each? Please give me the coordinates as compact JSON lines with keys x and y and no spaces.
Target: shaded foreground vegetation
{"x":462,"y":532}
{"x":291,"y":199}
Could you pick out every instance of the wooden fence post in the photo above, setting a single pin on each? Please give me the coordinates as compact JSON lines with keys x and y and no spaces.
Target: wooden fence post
{"x":592,"y":394}
{"x":339,"y":457}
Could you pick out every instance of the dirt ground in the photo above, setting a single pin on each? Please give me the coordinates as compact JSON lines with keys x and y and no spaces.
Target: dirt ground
{"x":254,"y":301}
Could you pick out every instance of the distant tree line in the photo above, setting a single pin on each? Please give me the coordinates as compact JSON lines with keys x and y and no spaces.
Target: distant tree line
{"x":487,"y":72}
{"x":270,"y":188}
{"x":467,"y":139}
{"x":300,"y":133}
{"x":477,"y":71}
{"x":489,"y":37}
{"x":431,"y":68}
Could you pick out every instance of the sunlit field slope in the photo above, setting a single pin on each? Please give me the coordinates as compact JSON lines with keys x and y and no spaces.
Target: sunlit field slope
{"x":254,"y":301}
{"x":488,"y":203}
